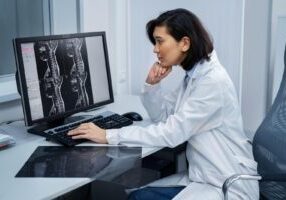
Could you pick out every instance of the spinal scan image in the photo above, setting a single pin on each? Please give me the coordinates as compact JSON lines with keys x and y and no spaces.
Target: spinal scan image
{"x":63,"y":75}
{"x":52,"y":80}
{"x":77,"y":73}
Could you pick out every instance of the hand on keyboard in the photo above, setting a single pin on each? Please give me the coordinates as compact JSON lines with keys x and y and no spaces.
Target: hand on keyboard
{"x":92,"y":129}
{"x":89,"y":131}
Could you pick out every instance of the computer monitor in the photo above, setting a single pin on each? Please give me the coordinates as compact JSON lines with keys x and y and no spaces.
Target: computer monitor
{"x":60,"y":75}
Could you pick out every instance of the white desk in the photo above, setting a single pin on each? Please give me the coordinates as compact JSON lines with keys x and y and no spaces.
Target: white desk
{"x":13,"y":158}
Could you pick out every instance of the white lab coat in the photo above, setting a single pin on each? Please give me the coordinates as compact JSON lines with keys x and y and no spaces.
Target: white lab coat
{"x":207,"y":115}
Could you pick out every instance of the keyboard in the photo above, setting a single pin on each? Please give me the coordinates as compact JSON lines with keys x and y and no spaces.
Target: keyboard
{"x":112,"y":121}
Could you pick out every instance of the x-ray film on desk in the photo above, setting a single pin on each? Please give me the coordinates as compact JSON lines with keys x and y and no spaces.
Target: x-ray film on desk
{"x":80,"y":161}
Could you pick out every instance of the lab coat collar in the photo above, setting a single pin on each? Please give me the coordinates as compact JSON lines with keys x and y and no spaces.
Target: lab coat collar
{"x":201,"y":68}
{"x":190,"y":72}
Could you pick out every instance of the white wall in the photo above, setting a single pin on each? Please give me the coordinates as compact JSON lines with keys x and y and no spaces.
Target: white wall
{"x":223,"y":19}
{"x":277,"y":46}
{"x":130,"y":51}
{"x":60,"y":24}
{"x":255,"y":63}
{"x":110,"y":16}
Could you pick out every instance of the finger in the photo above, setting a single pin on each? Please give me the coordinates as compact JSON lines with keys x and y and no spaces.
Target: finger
{"x":72,"y":132}
{"x":90,"y":125}
{"x":84,"y":136}
{"x":163,"y":70}
{"x":78,"y":129}
{"x":84,"y":125}
{"x":169,"y":70}
{"x":75,"y":132}
{"x":157,"y":69}
{"x":79,"y":137}
{"x":166,"y":73}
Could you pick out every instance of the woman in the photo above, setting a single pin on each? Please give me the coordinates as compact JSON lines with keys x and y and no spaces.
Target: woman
{"x":204,"y":111}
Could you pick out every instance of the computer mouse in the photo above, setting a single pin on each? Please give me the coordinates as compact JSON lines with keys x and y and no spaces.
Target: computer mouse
{"x":133,"y":116}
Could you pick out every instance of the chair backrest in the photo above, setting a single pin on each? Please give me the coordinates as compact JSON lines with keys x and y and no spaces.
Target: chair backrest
{"x":269,"y":146}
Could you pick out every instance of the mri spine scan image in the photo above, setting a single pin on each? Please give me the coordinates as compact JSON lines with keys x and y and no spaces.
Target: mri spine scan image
{"x":52,"y":79}
{"x":63,"y":74}
{"x":77,"y":73}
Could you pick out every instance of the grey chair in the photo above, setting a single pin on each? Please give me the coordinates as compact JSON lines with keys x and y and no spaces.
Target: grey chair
{"x":269,"y":149}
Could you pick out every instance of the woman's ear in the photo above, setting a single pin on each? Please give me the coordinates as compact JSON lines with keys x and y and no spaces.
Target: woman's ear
{"x":185,"y":43}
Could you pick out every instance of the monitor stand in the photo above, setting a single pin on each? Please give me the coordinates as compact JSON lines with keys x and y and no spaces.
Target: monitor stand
{"x":42,"y":127}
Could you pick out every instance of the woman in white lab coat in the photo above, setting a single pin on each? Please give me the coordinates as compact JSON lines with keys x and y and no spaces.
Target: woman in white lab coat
{"x":204,"y":111}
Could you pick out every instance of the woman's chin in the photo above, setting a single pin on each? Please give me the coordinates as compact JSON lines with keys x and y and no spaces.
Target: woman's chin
{"x":164,"y":64}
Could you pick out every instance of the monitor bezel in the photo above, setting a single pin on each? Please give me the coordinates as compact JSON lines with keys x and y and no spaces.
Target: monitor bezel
{"x":23,"y":83}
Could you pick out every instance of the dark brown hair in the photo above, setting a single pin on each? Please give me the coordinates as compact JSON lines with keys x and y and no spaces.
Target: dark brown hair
{"x":180,"y":23}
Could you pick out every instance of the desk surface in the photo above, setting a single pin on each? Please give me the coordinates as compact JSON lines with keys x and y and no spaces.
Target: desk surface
{"x":14,"y":157}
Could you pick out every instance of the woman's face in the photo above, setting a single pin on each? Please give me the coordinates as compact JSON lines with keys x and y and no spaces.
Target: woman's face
{"x":169,"y":51}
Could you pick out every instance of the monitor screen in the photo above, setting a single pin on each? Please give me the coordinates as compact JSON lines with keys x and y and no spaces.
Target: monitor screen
{"x":61,"y":75}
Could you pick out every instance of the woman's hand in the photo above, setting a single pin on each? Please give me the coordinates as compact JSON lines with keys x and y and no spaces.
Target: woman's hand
{"x":157,"y":73}
{"x":89,"y":131}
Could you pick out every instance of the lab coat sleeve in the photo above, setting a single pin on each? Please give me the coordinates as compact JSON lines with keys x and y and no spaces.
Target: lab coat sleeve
{"x":157,"y":104}
{"x":201,"y":112}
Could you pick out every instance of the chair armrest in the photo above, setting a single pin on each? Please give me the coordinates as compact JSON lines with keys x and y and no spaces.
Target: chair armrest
{"x":229,"y":181}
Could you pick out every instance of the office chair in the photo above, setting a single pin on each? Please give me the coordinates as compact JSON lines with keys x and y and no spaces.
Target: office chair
{"x":269,"y":149}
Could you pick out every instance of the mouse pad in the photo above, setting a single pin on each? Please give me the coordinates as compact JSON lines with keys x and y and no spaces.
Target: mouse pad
{"x":80,"y":161}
